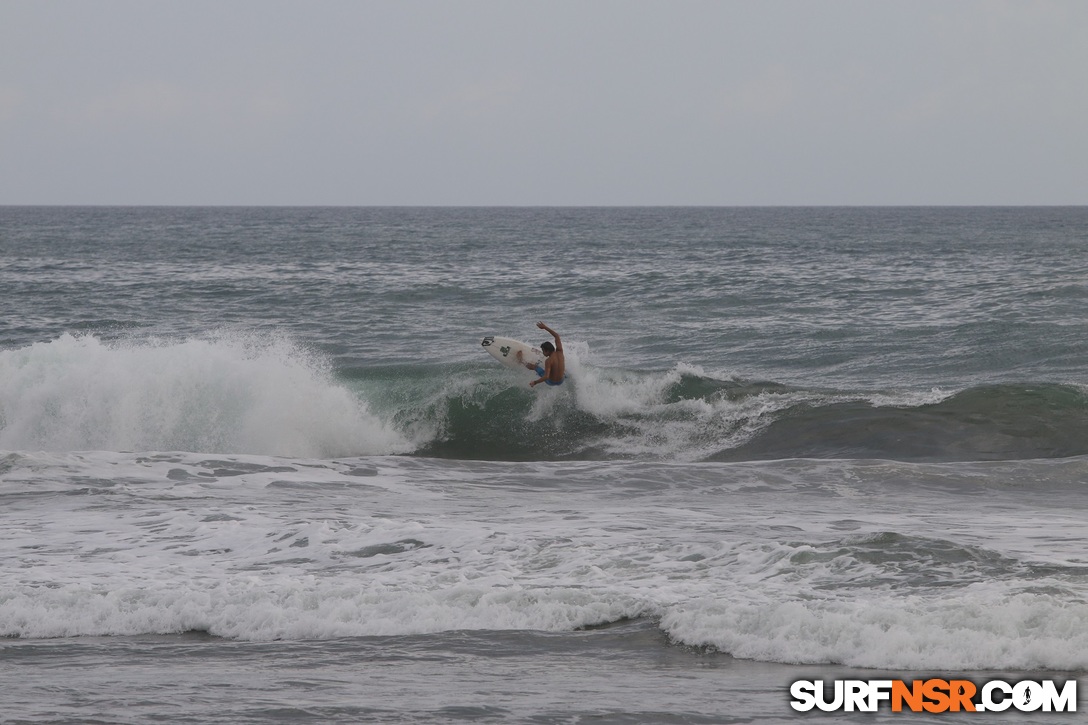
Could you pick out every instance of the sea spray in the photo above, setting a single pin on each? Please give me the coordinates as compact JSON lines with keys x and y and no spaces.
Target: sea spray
{"x":221,"y":393}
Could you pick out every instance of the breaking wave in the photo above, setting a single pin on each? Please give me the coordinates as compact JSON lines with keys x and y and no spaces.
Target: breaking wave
{"x":247,"y":395}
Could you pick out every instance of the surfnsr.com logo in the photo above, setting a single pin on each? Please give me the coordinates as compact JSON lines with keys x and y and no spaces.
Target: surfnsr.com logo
{"x":934,"y":695}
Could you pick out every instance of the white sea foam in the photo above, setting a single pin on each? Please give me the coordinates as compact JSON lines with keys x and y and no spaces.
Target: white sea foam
{"x":757,"y":560}
{"x":653,"y":422}
{"x":226,"y":393}
{"x":253,"y":609}
{"x":652,"y":417}
{"x":977,"y":628}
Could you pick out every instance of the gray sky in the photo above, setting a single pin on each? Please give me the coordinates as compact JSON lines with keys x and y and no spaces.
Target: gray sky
{"x":556,"y":102}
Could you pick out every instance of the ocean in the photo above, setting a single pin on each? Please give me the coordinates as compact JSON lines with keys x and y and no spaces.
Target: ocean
{"x":256,"y":467}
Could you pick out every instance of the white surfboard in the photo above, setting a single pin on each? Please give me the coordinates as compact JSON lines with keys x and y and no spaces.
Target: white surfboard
{"x":505,"y":350}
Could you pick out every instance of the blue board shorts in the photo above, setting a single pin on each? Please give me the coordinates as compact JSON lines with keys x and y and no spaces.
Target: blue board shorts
{"x":540,"y":372}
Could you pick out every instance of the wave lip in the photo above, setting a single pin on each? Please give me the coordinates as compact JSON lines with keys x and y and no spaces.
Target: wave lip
{"x":227,"y":393}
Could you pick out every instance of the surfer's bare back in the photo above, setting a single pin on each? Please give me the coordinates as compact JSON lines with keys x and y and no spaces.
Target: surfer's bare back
{"x":554,"y":370}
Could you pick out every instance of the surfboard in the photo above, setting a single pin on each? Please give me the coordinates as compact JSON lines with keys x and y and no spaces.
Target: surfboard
{"x":505,"y":350}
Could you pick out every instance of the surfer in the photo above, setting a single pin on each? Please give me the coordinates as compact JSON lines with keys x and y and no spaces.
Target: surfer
{"x":554,"y":370}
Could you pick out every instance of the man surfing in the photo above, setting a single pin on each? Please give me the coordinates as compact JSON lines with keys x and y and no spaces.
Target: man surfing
{"x":554,"y":370}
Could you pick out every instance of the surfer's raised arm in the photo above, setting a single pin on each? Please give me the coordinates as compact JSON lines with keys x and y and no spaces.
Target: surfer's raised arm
{"x":558,"y":342}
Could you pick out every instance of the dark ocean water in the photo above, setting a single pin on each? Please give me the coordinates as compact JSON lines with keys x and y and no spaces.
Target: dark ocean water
{"x":261,"y":453}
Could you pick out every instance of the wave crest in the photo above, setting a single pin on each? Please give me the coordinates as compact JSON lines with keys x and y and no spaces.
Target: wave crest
{"x":222,"y":394}
{"x":234,"y":393}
